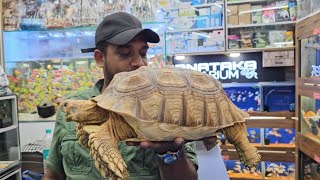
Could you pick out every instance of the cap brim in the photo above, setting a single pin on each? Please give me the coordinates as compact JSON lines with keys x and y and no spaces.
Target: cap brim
{"x":126,"y":36}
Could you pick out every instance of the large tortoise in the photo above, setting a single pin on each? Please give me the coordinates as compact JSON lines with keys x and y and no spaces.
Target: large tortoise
{"x":157,"y":105}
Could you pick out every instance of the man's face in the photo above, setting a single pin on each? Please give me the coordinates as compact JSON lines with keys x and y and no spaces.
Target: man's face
{"x":127,"y":57}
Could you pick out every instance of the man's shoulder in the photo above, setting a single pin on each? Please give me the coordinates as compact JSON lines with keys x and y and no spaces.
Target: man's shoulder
{"x":81,"y":95}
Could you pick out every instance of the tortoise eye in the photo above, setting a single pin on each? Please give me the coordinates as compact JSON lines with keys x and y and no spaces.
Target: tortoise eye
{"x":65,"y":104}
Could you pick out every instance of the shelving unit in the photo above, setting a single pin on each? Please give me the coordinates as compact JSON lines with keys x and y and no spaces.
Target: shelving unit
{"x":10,"y":160}
{"x":272,"y":152}
{"x":263,"y":24}
{"x":308,"y":97}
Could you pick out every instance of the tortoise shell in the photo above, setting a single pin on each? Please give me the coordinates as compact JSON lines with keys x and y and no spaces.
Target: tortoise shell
{"x":180,"y":102}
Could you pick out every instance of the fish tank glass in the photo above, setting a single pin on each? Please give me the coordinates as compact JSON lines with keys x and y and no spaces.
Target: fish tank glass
{"x":310,"y":169}
{"x":236,"y":169}
{"x":245,"y":96}
{"x":278,"y":97}
{"x":54,"y":66}
{"x":310,"y":117}
{"x":279,"y":170}
{"x":279,"y":136}
{"x":310,"y":106}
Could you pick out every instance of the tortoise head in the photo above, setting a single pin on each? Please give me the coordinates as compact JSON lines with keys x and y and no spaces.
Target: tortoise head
{"x":84,"y":111}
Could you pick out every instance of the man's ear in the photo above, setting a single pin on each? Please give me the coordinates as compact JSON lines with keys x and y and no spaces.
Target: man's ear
{"x":99,"y":58}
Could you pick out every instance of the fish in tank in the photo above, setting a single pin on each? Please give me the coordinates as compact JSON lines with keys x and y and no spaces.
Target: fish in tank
{"x":278,"y":170}
{"x":310,"y":168}
{"x":279,"y":136}
{"x":254,"y":135}
{"x":236,"y":169}
{"x":246,"y":98}
{"x":310,"y":112}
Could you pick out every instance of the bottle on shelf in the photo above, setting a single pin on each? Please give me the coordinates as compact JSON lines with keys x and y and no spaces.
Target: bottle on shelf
{"x":46,"y":145}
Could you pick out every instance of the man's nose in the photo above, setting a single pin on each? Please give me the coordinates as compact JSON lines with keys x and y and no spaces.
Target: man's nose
{"x":138,"y":61}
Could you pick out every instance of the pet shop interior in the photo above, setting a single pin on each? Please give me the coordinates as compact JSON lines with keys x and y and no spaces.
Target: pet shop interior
{"x":266,"y":54}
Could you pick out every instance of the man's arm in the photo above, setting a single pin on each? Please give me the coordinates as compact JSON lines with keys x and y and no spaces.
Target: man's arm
{"x":54,"y":168}
{"x":52,"y":175}
{"x":183,"y":168}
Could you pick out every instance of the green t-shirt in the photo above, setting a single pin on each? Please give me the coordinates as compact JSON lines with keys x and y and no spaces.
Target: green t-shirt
{"x":67,"y":155}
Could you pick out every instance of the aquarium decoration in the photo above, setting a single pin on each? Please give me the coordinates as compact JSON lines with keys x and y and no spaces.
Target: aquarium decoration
{"x":280,"y":135}
{"x":245,"y":98}
{"x":275,"y":170}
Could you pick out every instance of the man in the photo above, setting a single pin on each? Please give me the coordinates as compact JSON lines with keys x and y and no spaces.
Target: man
{"x":121,"y":45}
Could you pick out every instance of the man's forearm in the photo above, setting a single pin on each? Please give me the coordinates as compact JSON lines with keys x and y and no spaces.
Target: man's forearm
{"x":51,"y":175}
{"x":181,"y":169}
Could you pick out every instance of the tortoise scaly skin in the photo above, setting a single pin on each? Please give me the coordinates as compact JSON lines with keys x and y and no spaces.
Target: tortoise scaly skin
{"x":157,"y":105}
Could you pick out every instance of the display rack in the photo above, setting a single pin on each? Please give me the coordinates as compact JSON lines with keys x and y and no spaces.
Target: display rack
{"x":308,"y":96}
{"x":10,"y":159}
{"x":283,"y":153}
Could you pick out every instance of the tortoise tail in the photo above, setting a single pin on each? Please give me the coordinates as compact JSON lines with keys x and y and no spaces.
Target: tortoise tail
{"x":237,"y":135}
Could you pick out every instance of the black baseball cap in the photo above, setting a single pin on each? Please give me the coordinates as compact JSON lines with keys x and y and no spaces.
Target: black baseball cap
{"x":119,"y":29}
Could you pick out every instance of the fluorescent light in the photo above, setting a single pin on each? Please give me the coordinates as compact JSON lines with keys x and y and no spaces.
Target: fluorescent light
{"x":234,"y":54}
{"x":200,"y":34}
{"x":179,"y":58}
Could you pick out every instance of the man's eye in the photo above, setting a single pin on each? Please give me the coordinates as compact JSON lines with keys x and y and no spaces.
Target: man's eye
{"x":143,"y":55}
{"x":124,"y":54}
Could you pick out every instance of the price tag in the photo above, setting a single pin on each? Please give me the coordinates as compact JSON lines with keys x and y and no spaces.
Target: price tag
{"x":316,"y":95}
{"x":316,"y":31}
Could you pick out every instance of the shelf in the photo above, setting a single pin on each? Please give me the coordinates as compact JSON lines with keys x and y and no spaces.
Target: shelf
{"x":195,"y":29}
{"x":28,"y":117}
{"x":8,"y":129}
{"x":270,"y":122}
{"x":286,"y":114}
{"x":245,"y":1}
{"x":5,"y":165}
{"x":263,"y":24}
{"x":198,"y":53}
{"x":262,"y":49}
{"x":194,"y":6}
{"x":271,"y":147}
{"x":309,"y":87}
{"x":309,"y":144}
{"x":271,"y":155}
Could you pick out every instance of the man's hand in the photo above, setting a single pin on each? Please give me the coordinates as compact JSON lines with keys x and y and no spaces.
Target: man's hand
{"x":165,"y":146}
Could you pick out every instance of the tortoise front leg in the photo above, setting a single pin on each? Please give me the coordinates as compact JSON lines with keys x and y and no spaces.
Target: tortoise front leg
{"x":237,"y":135}
{"x":103,"y":145}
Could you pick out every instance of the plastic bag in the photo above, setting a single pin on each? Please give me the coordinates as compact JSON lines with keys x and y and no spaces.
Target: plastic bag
{"x":4,"y":83}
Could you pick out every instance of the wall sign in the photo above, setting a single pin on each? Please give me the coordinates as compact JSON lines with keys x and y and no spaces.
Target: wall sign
{"x":245,"y":68}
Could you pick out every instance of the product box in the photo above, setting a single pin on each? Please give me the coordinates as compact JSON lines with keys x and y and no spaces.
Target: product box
{"x":260,"y":39}
{"x":282,"y":14}
{"x":216,"y":20}
{"x":268,"y":15}
{"x":293,"y":10}
{"x":233,"y":20}
{"x":232,"y":10}
{"x":244,"y":14}
{"x":204,"y":11}
{"x":278,"y":58}
{"x":277,"y":38}
{"x":203,"y":21}
{"x":186,"y":12}
{"x":246,"y":39}
{"x":256,"y":15}
{"x":233,"y":42}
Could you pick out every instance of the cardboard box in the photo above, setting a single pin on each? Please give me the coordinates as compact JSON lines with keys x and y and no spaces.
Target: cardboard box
{"x":232,"y":10}
{"x":244,"y":14}
{"x":278,"y":58}
{"x":245,"y":19}
{"x":233,"y":20}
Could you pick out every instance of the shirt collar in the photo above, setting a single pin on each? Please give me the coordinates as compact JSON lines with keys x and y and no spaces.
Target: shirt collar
{"x":96,"y":89}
